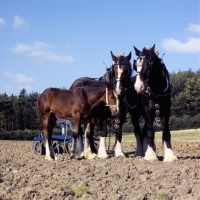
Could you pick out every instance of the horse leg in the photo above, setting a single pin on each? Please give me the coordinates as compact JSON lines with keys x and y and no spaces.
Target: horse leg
{"x":80,"y":143}
{"x":118,"y":147}
{"x":135,"y":121}
{"x":166,"y":138}
{"x":102,"y":144}
{"x":148,"y":142}
{"x":48,"y":130}
{"x":87,"y":150}
{"x":77,"y":122}
{"x":91,"y":137}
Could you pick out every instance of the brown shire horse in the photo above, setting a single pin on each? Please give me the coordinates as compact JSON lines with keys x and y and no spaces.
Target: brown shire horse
{"x":75,"y":103}
{"x":119,"y":76}
{"x":153,"y":87}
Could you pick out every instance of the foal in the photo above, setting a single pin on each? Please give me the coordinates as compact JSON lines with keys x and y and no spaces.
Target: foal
{"x":74,"y":103}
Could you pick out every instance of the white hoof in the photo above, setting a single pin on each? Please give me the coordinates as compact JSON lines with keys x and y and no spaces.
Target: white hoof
{"x":89,"y":155}
{"x":102,"y":154}
{"x":48,"y":158}
{"x":169,"y":155}
{"x":119,"y":154}
{"x":56,"y":158}
{"x":118,"y":150}
{"x":150,"y":154}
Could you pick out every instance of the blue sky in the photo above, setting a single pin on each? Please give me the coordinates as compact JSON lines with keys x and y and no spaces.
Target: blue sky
{"x":51,"y":43}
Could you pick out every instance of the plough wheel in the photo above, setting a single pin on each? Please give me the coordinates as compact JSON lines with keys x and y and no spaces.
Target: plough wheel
{"x":68,"y":148}
{"x":57,"y":148}
{"x":39,"y":148}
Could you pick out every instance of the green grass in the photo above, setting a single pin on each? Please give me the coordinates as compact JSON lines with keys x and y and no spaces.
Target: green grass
{"x":80,"y":190}
{"x":162,"y":197}
{"x":191,"y":135}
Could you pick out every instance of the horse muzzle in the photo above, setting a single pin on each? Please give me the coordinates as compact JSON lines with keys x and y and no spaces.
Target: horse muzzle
{"x":115,"y":113}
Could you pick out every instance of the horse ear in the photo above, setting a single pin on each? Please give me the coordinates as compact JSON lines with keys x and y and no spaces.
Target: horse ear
{"x":113,"y":56}
{"x":129,"y":56}
{"x":137,"y":52}
{"x":153,"y":48}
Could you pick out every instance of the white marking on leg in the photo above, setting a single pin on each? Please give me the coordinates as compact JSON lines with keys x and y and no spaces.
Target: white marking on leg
{"x":118,"y":150}
{"x":169,"y":154}
{"x":87,"y":150}
{"x":102,"y":148}
{"x":80,"y":146}
{"x":48,"y":152}
{"x":139,"y":147}
{"x":150,"y":154}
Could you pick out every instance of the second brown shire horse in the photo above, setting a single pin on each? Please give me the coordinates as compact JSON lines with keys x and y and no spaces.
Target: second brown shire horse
{"x":119,"y":76}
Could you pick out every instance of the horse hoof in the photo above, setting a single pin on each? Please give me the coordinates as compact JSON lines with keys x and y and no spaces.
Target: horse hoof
{"x":80,"y":157}
{"x":48,"y":158}
{"x":103,"y":156}
{"x":72,"y":155}
{"x":169,"y":155}
{"x":56,"y":158}
{"x":119,"y":154}
{"x":170,"y":158}
{"x":150,"y":154}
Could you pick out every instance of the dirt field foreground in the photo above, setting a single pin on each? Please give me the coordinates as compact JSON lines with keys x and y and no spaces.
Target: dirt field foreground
{"x":24,"y":175}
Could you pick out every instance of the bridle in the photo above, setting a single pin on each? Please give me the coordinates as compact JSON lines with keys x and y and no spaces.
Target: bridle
{"x":109,"y":77}
{"x":145,"y":76}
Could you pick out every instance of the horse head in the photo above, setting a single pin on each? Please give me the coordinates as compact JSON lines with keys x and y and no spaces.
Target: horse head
{"x":151,"y":71}
{"x":120,"y":73}
{"x":112,"y":101}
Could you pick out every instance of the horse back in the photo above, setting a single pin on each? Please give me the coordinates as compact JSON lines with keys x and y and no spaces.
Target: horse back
{"x":63,"y":103}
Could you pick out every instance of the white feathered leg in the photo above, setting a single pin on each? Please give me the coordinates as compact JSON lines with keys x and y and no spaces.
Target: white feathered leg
{"x":169,"y":154}
{"x":118,"y":150}
{"x":102,"y":148}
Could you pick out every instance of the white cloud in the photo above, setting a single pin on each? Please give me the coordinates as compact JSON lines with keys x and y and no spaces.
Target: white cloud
{"x":19,"y":22}
{"x":2,"y":21}
{"x":41,"y":50}
{"x":23,"y":48}
{"x":51,"y":56}
{"x":190,"y":46}
{"x":17,"y":77}
{"x":194,"y":28}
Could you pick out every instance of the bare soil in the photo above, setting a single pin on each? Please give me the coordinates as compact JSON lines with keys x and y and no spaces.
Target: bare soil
{"x":24,"y":175}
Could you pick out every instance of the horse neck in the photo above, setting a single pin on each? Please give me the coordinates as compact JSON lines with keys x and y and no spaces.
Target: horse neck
{"x":158,"y":76}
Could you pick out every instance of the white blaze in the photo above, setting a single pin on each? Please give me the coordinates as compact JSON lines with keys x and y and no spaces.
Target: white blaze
{"x":139,"y":84}
{"x":120,"y":71}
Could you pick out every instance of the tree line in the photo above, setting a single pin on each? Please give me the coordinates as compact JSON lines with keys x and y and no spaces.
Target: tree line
{"x":19,"y":113}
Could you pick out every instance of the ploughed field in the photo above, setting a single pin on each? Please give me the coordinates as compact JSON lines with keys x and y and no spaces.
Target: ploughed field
{"x":24,"y":175}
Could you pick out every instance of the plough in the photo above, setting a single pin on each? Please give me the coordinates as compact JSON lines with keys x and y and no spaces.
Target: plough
{"x":61,"y":143}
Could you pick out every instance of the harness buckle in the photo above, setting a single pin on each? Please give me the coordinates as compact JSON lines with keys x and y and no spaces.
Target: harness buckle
{"x":148,"y":91}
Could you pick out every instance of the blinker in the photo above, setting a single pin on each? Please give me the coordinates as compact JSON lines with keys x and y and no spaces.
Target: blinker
{"x":108,"y":76}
